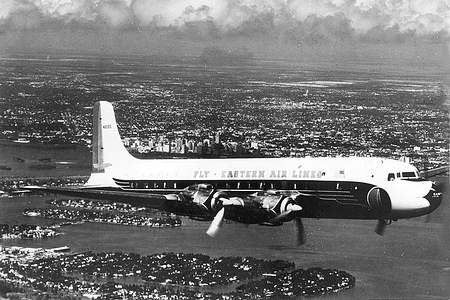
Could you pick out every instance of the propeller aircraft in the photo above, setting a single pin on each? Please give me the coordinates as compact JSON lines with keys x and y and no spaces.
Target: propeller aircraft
{"x":263,"y":191}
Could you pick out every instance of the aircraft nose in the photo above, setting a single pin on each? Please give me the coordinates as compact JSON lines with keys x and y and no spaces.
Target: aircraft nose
{"x":434,"y":196}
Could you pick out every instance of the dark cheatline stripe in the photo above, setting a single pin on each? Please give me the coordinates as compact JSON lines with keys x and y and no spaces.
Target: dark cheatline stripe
{"x":323,"y":189}
{"x":333,"y":193}
{"x":339,"y":199}
{"x":121,"y":180}
{"x":118,"y":179}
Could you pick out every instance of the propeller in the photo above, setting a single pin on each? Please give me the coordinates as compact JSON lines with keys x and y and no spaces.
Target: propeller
{"x":301,"y":236}
{"x":438,"y":185}
{"x":216,"y":223}
{"x":287,"y":210}
{"x":288,"y":214}
{"x":381,"y":226}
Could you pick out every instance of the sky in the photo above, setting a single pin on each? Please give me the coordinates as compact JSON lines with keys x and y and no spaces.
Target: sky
{"x":398,"y":30}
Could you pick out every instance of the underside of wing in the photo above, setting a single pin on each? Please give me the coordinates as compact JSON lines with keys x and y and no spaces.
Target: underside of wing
{"x":137,"y":199}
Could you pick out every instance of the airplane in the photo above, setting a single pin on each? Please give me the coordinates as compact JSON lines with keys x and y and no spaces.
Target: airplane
{"x":264,"y":191}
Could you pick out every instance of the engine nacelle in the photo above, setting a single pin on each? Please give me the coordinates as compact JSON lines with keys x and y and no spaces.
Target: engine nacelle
{"x":284,"y":204}
{"x":287,"y":204}
{"x":285,"y":209}
{"x":216,"y":200}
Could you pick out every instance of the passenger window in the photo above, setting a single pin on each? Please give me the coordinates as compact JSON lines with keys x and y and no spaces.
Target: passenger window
{"x":221,"y":185}
{"x":244,"y":185}
{"x":391,"y":177}
{"x":253,"y":185}
{"x":398,"y":175}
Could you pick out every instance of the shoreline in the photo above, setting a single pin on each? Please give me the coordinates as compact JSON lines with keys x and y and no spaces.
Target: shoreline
{"x":32,"y":144}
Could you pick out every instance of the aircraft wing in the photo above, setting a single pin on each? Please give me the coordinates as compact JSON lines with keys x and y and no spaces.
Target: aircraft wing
{"x":202,"y":203}
{"x":434,"y":172}
{"x":137,"y":199}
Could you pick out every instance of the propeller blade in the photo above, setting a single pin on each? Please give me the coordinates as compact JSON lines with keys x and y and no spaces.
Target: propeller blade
{"x":301,"y":237}
{"x":216,"y":223}
{"x":381,"y":226}
{"x":287,"y":215}
{"x":283,"y":217}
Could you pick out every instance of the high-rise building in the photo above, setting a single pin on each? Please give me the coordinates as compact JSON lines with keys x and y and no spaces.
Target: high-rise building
{"x":217,"y":137}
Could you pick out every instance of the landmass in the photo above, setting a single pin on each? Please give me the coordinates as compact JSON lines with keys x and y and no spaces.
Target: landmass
{"x":37,"y":272}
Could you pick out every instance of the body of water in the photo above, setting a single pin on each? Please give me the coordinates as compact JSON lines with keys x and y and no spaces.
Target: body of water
{"x":411,"y":261}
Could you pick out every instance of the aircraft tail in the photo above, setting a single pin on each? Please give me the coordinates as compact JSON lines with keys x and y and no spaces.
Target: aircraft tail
{"x":107,"y":146}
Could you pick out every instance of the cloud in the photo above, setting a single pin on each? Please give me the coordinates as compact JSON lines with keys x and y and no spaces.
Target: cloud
{"x":308,"y":21}
{"x":114,"y":13}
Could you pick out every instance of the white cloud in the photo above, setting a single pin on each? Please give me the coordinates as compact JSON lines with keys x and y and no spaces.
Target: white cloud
{"x":422,"y":16}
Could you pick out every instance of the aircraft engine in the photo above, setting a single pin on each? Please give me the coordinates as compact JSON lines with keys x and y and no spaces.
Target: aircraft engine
{"x":220,"y":203}
{"x":221,"y":199}
{"x":285,"y":209}
{"x":288,"y":204}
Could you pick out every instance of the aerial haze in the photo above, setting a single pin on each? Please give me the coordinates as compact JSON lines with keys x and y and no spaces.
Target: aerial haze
{"x":405,"y":33}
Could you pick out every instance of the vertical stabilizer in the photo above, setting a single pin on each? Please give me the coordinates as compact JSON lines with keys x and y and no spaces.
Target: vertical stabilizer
{"x":107,"y":147}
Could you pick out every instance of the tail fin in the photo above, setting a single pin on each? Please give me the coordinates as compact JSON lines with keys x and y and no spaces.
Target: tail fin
{"x":107,"y":147}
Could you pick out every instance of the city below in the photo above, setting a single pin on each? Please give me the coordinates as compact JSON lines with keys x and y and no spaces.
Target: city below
{"x":69,"y":248}
{"x":191,"y":110}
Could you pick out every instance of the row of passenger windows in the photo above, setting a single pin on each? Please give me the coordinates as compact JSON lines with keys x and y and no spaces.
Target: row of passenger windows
{"x":244,"y":185}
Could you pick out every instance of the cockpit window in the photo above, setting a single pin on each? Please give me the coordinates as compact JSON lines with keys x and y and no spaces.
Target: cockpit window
{"x":391,"y":176}
{"x":408,"y":174}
